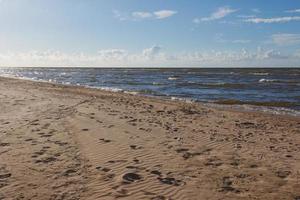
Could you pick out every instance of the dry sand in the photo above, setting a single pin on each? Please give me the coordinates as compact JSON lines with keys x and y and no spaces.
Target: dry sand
{"x":61,"y":142}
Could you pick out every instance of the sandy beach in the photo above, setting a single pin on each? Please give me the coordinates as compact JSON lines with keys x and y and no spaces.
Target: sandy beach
{"x":67,"y":142}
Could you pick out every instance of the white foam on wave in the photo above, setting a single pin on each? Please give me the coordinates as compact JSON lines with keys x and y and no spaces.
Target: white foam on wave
{"x":172,"y":78}
{"x":131,"y":92}
{"x":66,"y":83}
{"x":113,"y":89}
{"x":263,"y":80}
{"x":260,"y":74}
{"x":52,"y":80}
{"x":187,"y":100}
{"x":109,"y":89}
{"x":37,"y":73}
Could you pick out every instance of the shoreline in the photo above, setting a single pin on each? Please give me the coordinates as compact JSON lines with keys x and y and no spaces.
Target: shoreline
{"x":70,"y":142}
{"x":276,"y":110}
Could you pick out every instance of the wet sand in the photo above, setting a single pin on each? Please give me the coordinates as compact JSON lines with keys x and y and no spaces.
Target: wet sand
{"x":64,"y":142}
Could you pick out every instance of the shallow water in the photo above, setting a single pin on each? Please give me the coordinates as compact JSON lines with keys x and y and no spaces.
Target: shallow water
{"x":260,"y":87}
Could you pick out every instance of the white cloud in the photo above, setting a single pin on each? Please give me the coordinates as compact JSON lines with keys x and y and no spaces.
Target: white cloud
{"x":273,"y":20}
{"x":196,"y":20}
{"x":268,"y":54}
{"x":120,"y":16}
{"x":219,"y":14}
{"x":283,"y":39}
{"x":117,"y":54}
{"x":293,"y":11}
{"x":152,"y":52}
{"x":142,"y":15}
{"x":161,"y":14}
{"x":231,"y":56}
{"x":246,"y":16}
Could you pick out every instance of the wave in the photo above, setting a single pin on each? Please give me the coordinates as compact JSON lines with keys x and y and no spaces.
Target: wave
{"x":266,"y":80}
{"x":187,"y":100}
{"x":215,"y":85}
{"x":150,"y":92}
{"x":285,"y":104}
{"x":260,"y":74}
{"x":157,"y":83}
{"x":131,"y":92}
{"x":110,"y":89}
{"x":37,"y":73}
{"x":172,"y":78}
{"x":136,"y":83}
{"x":278,"y":81}
{"x":226,"y":85}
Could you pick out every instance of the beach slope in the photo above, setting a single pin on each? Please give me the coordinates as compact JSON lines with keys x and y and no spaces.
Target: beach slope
{"x":65,"y":142}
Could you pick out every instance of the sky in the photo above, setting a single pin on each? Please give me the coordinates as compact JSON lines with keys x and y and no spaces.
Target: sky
{"x":150,"y":33}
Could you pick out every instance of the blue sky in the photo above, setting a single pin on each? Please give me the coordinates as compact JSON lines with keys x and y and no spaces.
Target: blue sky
{"x":150,"y":33}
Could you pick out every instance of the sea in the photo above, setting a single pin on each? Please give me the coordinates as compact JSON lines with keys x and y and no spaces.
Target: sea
{"x":275,"y":90}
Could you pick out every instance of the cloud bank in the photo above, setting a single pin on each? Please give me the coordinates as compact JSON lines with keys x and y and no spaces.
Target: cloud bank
{"x":151,"y":57}
{"x":286,"y":39}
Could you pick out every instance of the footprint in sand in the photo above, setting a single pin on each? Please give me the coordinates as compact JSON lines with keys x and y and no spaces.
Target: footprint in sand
{"x":159,"y":198}
{"x":46,"y":160}
{"x":135,"y":147}
{"x":69,"y":172}
{"x":105,"y":140}
{"x":5,"y":176}
{"x":227,"y":185}
{"x":187,"y":154}
{"x":121,"y":193}
{"x":131,"y":177}
{"x":170,"y":181}
{"x":4,"y":144}
{"x":44,"y":135}
{"x":136,"y":160}
{"x":108,"y":177}
{"x":35,"y":124}
{"x":38,"y":153}
{"x":283,"y":173}
{"x":4,"y":180}
{"x":214,"y":162}
{"x":104,"y":169}
{"x":116,"y":161}
{"x":156,"y":172}
{"x":60,"y":143}
{"x":132,"y":167}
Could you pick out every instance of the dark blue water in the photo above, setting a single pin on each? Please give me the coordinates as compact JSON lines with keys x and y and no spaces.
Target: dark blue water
{"x":261,"y":87}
